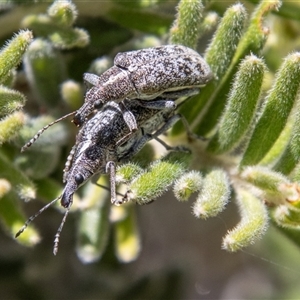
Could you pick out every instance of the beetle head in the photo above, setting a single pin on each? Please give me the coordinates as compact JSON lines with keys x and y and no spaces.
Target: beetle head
{"x":90,"y":162}
{"x":92,"y":100}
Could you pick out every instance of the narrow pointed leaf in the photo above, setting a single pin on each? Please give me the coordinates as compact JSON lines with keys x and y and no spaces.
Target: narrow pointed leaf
{"x":218,"y":55}
{"x":275,"y":112}
{"x":252,"y":41}
{"x":241,"y":105}
{"x":253,"y":224}
{"x":213,"y":196}
{"x":291,"y":155}
{"x":10,"y":101}
{"x":10,"y":126}
{"x":45,"y":70}
{"x":185,"y":30}
{"x":160,"y":176}
{"x":11,"y":54}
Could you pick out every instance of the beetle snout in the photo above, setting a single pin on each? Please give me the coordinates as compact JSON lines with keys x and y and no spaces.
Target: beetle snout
{"x":66,"y":199}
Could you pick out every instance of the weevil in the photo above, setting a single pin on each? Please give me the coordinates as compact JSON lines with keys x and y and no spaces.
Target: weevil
{"x":170,"y":71}
{"x":164,"y":72}
{"x":103,"y":142}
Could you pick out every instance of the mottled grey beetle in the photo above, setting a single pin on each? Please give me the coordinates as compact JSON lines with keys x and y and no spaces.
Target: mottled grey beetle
{"x":104,"y":141}
{"x":165,"y":72}
{"x":170,"y":72}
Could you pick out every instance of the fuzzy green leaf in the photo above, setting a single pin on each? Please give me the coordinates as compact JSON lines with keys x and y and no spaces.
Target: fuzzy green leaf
{"x":72,"y":94}
{"x":69,"y":38}
{"x":218,"y":56}
{"x":10,"y":126}
{"x":253,"y":224}
{"x":45,"y":70}
{"x":221,"y":49}
{"x":275,"y":112}
{"x":280,"y":145}
{"x":42,"y":25}
{"x":63,"y":12}
{"x":241,"y":106}
{"x":56,"y":26}
{"x":187,"y":184}
{"x":291,"y":155}
{"x":289,"y":9}
{"x":288,"y":161}
{"x":128,"y":172}
{"x":252,"y":41}
{"x":208,"y":23}
{"x":11,"y":54}
{"x":160,"y":176}
{"x":185,"y":30}
{"x":213,"y":196}
{"x":286,"y":218}
{"x":10,"y":79}
{"x":255,"y":37}
{"x":10,"y":101}
{"x":264,"y":178}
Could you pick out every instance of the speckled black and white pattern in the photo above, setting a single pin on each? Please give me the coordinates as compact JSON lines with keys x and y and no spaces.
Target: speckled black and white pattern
{"x":98,"y":141}
{"x":140,"y":57}
{"x":145,"y":74}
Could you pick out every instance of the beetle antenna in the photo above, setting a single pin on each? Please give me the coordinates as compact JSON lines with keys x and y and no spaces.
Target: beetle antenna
{"x":59,"y":230}
{"x":36,"y":215}
{"x":39,"y":133}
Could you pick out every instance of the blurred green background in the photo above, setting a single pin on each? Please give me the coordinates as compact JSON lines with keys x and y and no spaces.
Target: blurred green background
{"x":180,"y":256}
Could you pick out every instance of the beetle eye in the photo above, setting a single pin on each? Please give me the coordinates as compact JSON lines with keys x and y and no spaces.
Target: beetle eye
{"x":77,"y":120}
{"x":98,"y":104}
{"x":79,"y":178}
